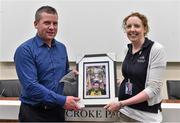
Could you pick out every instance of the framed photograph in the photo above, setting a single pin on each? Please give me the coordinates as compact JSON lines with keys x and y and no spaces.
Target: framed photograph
{"x":97,"y":79}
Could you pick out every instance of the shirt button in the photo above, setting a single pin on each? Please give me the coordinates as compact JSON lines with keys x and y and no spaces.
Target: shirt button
{"x":45,"y":107}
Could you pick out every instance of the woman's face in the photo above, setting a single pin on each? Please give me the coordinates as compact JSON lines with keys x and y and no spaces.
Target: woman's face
{"x":134,"y":29}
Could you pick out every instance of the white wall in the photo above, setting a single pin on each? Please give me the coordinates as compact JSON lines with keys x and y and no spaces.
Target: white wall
{"x":0,"y":24}
{"x":91,"y":26}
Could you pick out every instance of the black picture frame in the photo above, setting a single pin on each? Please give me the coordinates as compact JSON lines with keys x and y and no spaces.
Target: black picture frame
{"x":97,"y":79}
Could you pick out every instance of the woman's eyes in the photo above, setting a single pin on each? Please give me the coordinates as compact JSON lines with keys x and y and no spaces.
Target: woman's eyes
{"x":134,"y":25}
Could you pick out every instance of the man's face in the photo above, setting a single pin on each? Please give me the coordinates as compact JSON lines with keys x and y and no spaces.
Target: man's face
{"x":47,"y":26}
{"x":96,"y":86}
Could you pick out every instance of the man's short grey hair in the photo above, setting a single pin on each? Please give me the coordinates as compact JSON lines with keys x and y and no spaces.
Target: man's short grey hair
{"x":47,"y":9}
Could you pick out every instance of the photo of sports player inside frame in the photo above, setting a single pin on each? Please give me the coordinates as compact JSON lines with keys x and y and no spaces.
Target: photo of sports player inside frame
{"x":96,"y":80}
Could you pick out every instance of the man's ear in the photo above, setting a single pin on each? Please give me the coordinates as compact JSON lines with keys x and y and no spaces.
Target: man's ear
{"x":35,"y":24}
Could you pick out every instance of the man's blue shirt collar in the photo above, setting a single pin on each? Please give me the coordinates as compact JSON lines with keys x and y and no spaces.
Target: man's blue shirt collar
{"x":40,"y":42}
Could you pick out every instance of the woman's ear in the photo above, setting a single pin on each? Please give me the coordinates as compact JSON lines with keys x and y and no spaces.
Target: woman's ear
{"x":145,"y":31}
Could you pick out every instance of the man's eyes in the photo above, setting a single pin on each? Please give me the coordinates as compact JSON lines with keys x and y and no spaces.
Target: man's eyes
{"x":49,"y":23}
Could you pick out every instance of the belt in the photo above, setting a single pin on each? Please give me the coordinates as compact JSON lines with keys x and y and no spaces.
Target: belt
{"x":46,"y":107}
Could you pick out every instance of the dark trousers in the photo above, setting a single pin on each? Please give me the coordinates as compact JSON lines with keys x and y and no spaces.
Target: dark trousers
{"x":28,"y":113}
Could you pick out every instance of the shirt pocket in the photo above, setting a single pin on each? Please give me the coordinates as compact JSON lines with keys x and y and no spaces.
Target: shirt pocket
{"x":60,"y":62}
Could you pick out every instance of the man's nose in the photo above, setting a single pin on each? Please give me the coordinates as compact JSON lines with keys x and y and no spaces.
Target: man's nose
{"x":52,"y":26}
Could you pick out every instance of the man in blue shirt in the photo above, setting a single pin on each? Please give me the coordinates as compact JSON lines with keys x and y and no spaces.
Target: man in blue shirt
{"x":40,"y":64}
